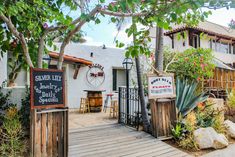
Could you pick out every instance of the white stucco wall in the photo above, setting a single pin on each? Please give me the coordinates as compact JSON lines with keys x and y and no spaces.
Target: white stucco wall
{"x":167,"y":42}
{"x":17,"y":94}
{"x":108,"y":58}
{"x":3,"y":68}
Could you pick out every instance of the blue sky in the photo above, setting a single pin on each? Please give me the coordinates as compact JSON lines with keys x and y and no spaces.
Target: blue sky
{"x":105,"y":32}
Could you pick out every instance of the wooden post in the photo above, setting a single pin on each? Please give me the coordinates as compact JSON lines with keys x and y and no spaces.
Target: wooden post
{"x":49,"y":133}
{"x":163,"y":116}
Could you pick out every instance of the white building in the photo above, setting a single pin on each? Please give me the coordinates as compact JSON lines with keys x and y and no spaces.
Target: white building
{"x":206,"y":35}
{"x":78,"y":79}
{"x":78,"y":58}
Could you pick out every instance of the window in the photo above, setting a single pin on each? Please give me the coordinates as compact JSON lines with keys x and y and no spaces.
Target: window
{"x":223,"y":47}
{"x":119,"y":78}
{"x":230,"y":48}
{"x":234,"y":49}
{"x":213,"y":45}
{"x":195,"y":41}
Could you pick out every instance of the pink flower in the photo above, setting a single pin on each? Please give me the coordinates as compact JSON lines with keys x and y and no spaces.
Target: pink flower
{"x":45,"y":25}
{"x":202,"y":66}
{"x":198,"y":79}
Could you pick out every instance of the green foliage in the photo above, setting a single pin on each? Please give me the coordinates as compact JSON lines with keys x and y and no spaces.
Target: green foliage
{"x":183,"y":134}
{"x":193,"y":64}
{"x":204,"y":115}
{"x":31,"y":19}
{"x":188,"y":143}
{"x":25,"y":111}
{"x":178,"y":131}
{"x":207,"y":116}
{"x":4,"y":103}
{"x":11,"y":134}
{"x":186,"y":97}
{"x":231,"y":99}
{"x":232,"y":24}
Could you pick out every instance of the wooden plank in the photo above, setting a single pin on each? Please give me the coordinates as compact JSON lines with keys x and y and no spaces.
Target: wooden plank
{"x":43,"y":134}
{"x":66,"y":133}
{"x":147,"y":150}
{"x":114,"y":150}
{"x":50,"y":134}
{"x":37,"y":152}
{"x":155,"y":153}
{"x":32,"y":130}
{"x":59,"y":134}
{"x":105,"y":144}
{"x":54,"y":136}
{"x":113,"y":146}
{"x":81,"y":143}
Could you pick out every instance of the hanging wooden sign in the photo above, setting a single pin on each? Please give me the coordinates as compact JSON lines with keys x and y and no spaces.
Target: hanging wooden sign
{"x":161,"y":86}
{"x":46,"y":88}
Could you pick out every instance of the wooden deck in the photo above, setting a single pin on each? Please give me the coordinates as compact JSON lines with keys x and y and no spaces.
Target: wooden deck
{"x":114,"y":140}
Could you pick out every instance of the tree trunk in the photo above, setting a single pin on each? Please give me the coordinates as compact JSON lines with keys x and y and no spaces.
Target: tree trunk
{"x":144,"y":113}
{"x":159,"y":49}
{"x":146,"y":122}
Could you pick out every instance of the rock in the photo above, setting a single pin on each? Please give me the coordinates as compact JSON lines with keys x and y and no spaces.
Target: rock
{"x":209,"y":138}
{"x":218,"y":106}
{"x":230,"y":126}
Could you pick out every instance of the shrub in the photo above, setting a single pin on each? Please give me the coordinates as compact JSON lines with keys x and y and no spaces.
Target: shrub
{"x":183,"y":133}
{"x":4,"y":103}
{"x":193,"y":64}
{"x":207,"y":116}
{"x":204,"y":115}
{"x":25,"y":111}
{"x":231,"y":99}
{"x":11,"y":134}
{"x":186,"y":97}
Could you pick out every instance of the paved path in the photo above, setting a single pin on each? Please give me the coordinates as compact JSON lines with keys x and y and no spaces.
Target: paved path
{"x":77,"y":120}
{"x":226,"y":152}
{"x":114,"y":140}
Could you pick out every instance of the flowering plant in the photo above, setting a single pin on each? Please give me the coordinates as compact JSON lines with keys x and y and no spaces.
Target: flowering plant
{"x":193,"y":64}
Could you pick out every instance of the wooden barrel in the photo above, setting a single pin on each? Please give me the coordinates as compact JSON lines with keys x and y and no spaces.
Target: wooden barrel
{"x":95,"y":100}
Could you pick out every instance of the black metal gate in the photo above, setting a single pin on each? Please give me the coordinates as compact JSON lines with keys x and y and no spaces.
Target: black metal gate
{"x":129,"y":115}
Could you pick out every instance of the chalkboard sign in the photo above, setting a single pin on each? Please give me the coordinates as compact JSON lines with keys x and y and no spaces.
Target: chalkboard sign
{"x":46,"y":88}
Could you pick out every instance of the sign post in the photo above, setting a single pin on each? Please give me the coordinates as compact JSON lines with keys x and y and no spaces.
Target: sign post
{"x":161,"y":92}
{"x":49,"y":116}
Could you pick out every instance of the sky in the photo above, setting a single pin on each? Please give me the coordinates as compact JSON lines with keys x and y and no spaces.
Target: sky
{"x":105,"y":32}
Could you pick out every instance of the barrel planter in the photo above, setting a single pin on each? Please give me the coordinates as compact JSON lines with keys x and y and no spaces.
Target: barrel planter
{"x":95,"y":99}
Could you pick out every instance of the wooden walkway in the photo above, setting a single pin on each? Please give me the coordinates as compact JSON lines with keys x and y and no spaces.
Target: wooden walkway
{"x":113,"y":140}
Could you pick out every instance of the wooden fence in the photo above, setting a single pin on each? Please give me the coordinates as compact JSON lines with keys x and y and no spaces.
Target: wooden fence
{"x":221,"y":83}
{"x":49,"y":133}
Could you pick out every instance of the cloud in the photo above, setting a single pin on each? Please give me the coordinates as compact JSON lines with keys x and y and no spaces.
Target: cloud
{"x":122,"y":36}
{"x":90,"y":41}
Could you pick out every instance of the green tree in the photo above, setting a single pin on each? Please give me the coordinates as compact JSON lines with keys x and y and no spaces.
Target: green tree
{"x":30,"y":23}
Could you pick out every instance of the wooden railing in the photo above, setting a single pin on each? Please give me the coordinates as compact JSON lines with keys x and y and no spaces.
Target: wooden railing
{"x":221,"y":84}
{"x":222,"y":79}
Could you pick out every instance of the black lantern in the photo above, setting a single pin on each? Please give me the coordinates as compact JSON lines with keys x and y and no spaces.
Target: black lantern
{"x":127,"y":64}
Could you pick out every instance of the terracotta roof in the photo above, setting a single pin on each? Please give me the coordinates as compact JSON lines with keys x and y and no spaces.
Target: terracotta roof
{"x":208,"y":28}
{"x":68,"y":58}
